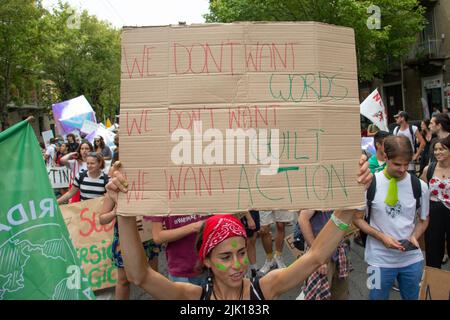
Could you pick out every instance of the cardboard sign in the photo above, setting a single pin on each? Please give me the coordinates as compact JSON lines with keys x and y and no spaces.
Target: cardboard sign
{"x":435,"y":284}
{"x":46,"y":136}
{"x":228,"y":117}
{"x":93,"y":241}
{"x":59,"y":177}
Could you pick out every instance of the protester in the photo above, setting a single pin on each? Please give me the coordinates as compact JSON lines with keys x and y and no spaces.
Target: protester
{"x":222,"y":250}
{"x":179,"y":232}
{"x":427,"y":136}
{"x":76,"y":162}
{"x":392,"y":249}
{"x":413,"y":134}
{"x":437,"y":175}
{"x":50,"y":153}
{"x":102,"y":148}
{"x":377,"y":161}
{"x":252,"y":224}
{"x":91,"y":182}
{"x":280,"y":218}
{"x":372,"y":129}
{"x":330,"y":280}
{"x":435,"y":112}
{"x":439,"y":126}
{"x":72,"y":143}
{"x":115,"y":156}
{"x":61,"y":152}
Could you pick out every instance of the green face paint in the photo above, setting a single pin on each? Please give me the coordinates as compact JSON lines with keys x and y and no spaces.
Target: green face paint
{"x":234,"y":244}
{"x":246,"y":261}
{"x":221,"y":267}
{"x":237,"y":264}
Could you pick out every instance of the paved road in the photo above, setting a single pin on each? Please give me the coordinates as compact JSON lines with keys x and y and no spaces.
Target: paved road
{"x":357,"y":286}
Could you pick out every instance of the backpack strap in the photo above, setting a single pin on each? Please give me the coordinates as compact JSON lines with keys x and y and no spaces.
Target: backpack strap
{"x":413,"y":137}
{"x":370,"y":195}
{"x":396,"y":130}
{"x":430,"y":171}
{"x":417,"y":189}
{"x":83,"y":175}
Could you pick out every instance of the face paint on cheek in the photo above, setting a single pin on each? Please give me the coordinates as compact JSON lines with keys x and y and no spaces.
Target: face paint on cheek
{"x":246,"y":261}
{"x":221,"y":267}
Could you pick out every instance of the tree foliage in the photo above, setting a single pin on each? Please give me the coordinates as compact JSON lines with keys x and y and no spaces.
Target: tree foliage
{"x":401,"y":21}
{"x":46,"y":57}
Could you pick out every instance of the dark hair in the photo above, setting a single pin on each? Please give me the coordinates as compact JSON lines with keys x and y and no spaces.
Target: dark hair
{"x":443,"y":120}
{"x":102,"y":142}
{"x":398,"y":146}
{"x":379,"y":137}
{"x":98,"y":157}
{"x":444,"y":141}
{"x":91,"y":148}
{"x":72,"y":136}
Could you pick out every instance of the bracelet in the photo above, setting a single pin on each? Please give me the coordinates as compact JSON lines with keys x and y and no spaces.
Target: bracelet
{"x":339,"y":223}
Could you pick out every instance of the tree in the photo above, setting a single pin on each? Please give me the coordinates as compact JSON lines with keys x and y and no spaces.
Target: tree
{"x":20,"y":67}
{"x":83,"y":58}
{"x":401,"y":21}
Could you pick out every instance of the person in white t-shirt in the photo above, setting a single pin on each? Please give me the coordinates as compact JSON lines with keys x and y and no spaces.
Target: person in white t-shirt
{"x":394,"y":227}
{"x":405,"y":129}
{"x":50,"y":153}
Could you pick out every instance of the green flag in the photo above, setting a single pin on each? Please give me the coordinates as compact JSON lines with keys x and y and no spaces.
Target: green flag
{"x":37,"y":257}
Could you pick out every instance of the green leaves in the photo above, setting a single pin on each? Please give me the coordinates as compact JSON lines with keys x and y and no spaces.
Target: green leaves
{"x":401,"y":21}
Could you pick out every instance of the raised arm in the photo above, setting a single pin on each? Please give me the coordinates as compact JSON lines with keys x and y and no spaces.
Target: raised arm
{"x":163,"y":236}
{"x":279,"y":281}
{"x":65,"y":160}
{"x":134,"y":258}
{"x":69,"y":194}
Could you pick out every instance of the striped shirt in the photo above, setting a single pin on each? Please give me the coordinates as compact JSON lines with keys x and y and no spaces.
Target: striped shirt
{"x":90,"y":188}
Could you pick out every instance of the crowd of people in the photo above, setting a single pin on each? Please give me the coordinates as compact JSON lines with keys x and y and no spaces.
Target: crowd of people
{"x":407,"y":185}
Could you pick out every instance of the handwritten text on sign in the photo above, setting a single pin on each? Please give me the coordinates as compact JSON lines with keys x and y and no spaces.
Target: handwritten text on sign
{"x":222,"y":118}
{"x":59,"y":177}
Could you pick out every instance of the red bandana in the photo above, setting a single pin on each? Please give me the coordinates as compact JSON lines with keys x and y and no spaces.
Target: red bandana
{"x":217,"y":229}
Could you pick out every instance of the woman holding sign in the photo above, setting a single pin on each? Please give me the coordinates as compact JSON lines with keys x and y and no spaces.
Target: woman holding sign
{"x":222,"y":250}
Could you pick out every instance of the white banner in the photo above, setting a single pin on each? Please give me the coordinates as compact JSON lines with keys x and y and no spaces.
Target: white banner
{"x":373,"y":109}
{"x":47,"y":135}
{"x":59,"y":177}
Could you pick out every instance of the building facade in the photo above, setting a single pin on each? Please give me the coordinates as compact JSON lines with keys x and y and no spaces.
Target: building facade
{"x":421,"y":80}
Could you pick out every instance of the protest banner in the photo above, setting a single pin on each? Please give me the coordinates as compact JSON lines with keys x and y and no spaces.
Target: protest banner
{"x":59,"y":177}
{"x":368,"y":145}
{"x":37,"y":258}
{"x":373,"y":109}
{"x":70,"y":115}
{"x":93,"y":241}
{"x":287,"y":93}
{"x":89,"y":126}
{"x":46,"y":136}
{"x":435,"y":284}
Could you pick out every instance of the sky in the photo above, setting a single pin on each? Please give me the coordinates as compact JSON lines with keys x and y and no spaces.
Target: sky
{"x":141,"y":12}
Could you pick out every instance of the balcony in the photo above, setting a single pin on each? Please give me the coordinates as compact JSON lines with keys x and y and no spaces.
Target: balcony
{"x":425,"y":51}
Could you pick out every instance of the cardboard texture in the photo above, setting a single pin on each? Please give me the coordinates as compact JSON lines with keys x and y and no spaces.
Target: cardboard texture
{"x":435,"y":284}
{"x":187,"y":90}
{"x":93,"y":241}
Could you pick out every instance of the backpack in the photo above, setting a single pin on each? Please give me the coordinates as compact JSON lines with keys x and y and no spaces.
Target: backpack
{"x":411,"y":131}
{"x":370,"y":195}
{"x":430,"y":171}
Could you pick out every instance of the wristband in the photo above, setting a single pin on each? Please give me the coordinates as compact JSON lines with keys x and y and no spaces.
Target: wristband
{"x":339,"y":223}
